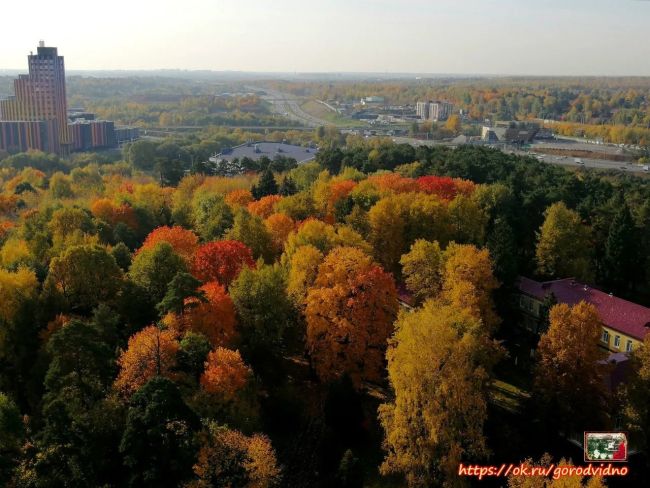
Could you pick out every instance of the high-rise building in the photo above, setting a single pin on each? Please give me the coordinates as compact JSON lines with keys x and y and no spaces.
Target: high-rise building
{"x":40,"y":96}
{"x":435,"y":111}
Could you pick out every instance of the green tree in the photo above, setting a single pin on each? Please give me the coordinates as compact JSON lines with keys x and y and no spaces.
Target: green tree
{"x":503,"y":248}
{"x":85,"y":276}
{"x":170,"y":171}
{"x":12,"y":434}
{"x":157,"y":443}
{"x":154,"y":268}
{"x":81,"y":367}
{"x":262,"y":304}
{"x":212,"y":217}
{"x":182,"y":286}
{"x":250,"y":230}
{"x":265,"y":186}
{"x":141,"y":154}
{"x":621,"y":260}
{"x":564,"y":245}
{"x":287,"y":187}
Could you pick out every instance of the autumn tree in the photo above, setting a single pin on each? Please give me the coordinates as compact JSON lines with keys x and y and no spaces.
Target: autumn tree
{"x":303,"y":270}
{"x":439,"y":363}
{"x":350,"y":312}
{"x":570,"y":350}
{"x":635,"y":396}
{"x":225,"y":373}
{"x":239,"y":198}
{"x":184,"y":242}
{"x":453,"y":124}
{"x":85,"y":276}
{"x":468,"y":220}
{"x":468,"y":281}
{"x":229,"y":458}
{"x":422,"y":269}
{"x":265,"y":206}
{"x":151,"y":352}
{"x":563,"y":245}
{"x":397,"y":221}
{"x":222,"y":261}
{"x":213,"y":315}
{"x":16,"y":287}
{"x":278,"y":227}
{"x":551,"y":481}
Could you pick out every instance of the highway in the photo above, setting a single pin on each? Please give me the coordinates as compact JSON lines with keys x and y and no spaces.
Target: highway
{"x":288,"y":105}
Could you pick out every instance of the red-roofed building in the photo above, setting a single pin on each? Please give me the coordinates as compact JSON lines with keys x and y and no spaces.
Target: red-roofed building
{"x":625,"y":324}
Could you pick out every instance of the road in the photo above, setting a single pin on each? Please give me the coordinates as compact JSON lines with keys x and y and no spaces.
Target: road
{"x":589,"y":163}
{"x":288,"y":105}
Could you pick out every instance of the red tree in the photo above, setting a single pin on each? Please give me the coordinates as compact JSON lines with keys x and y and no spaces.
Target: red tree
{"x":221,"y":261}
{"x":445,"y":187}
{"x":214,"y":318}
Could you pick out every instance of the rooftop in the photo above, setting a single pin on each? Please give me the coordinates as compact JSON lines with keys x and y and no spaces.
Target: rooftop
{"x":256,"y":150}
{"x":627,"y":317}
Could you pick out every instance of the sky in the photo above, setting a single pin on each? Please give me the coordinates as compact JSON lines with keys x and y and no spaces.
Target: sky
{"x":507,"y":37}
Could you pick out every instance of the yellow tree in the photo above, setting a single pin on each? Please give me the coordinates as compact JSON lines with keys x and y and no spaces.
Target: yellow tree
{"x":422,"y":269}
{"x":563,"y":245}
{"x":350,"y":313}
{"x":439,"y":363}
{"x":636,"y":396}
{"x":227,"y":457}
{"x":575,"y":481}
{"x":387,"y":231}
{"x":453,"y":124}
{"x":279,"y":226}
{"x":468,"y":281}
{"x":151,"y":352}
{"x":569,"y":382}
{"x":15,"y":288}
{"x":303,"y":269}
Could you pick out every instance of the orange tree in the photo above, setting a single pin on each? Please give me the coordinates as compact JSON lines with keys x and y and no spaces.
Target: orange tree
{"x":350,"y":313}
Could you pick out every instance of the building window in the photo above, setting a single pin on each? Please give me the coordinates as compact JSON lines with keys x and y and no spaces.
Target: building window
{"x":628,"y":346}
{"x":617,"y":341}
{"x":605,"y":337}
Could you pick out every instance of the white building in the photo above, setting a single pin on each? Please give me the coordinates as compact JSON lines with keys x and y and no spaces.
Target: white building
{"x":435,"y":111}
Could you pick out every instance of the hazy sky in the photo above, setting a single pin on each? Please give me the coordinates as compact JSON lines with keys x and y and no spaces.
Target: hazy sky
{"x":550,"y":37}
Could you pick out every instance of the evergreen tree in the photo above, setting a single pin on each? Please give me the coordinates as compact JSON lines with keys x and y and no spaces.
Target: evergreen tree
{"x":265,"y":186}
{"x":182,"y":286}
{"x":621,"y":251}
{"x":503,"y":250}
{"x":287,"y":187}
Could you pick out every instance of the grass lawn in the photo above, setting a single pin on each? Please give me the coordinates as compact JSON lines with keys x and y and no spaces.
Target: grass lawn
{"x":319,"y":110}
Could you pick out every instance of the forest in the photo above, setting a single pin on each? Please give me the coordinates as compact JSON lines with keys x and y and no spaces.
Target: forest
{"x":343,"y":322}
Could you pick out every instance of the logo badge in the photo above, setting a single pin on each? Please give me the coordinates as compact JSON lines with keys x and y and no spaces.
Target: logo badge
{"x":605,"y":446}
